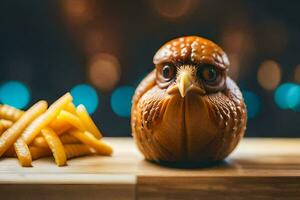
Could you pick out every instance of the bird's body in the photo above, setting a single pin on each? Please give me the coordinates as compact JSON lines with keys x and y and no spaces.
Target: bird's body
{"x":187,"y":109}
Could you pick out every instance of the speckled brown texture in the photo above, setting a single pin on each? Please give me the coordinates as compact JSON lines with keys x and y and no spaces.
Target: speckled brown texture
{"x":197,"y":127}
{"x":194,"y":49}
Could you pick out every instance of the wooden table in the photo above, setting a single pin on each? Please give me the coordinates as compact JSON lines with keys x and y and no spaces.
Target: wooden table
{"x":258,"y":169}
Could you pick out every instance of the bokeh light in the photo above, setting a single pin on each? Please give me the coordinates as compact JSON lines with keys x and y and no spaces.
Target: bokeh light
{"x":172,"y":8}
{"x":252,"y":102}
{"x":104,"y":71}
{"x":121,"y":100}
{"x":79,"y":11}
{"x":287,"y":95}
{"x":86,"y":95}
{"x":269,"y":74}
{"x":293,"y":97}
{"x":297,"y":74}
{"x":14,"y":93}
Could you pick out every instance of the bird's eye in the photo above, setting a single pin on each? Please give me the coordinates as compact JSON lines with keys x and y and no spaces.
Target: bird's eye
{"x":208,"y":74}
{"x":168,"y":71}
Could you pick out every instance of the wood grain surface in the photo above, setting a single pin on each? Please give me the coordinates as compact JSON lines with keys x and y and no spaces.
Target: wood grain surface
{"x":258,"y":169}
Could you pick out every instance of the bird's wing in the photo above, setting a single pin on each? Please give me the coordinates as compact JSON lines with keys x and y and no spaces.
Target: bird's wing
{"x":230,"y":115}
{"x":152,"y":106}
{"x":149,"y":104}
{"x":148,"y":101}
{"x":147,"y":83}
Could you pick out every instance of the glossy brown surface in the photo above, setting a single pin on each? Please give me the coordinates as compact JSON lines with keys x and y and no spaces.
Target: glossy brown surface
{"x":184,"y":118}
{"x":257,"y":169}
{"x":194,"y":49}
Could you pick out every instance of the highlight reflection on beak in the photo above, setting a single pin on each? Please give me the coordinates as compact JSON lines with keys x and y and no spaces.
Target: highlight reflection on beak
{"x":185,"y":83}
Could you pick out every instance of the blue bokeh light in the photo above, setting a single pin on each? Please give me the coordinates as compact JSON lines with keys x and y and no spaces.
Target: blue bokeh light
{"x":86,"y":95}
{"x":294,"y":101}
{"x":293,"y":97}
{"x":121,"y":100}
{"x":252,"y":102}
{"x":287,"y":95}
{"x":15,"y":93}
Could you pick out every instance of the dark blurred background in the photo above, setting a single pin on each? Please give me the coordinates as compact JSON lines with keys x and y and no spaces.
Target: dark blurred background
{"x":100,"y":50}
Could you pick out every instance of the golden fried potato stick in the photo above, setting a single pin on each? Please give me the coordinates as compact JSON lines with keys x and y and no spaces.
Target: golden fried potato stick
{"x":71,"y":108}
{"x":38,"y":152}
{"x":6,"y":123}
{"x":77,"y":150}
{"x":87,"y":121}
{"x":13,"y":133}
{"x":23,"y":152}
{"x":90,"y":140}
{"x":1,"y":129}
{"x":10,"y":113}
{"x":71,"y":119}
{"x":55,"y":145}
{"x":42,"y":121}
{"x":69,"y":139}
{"x":40,"y":141}
{"x":60,"y":126}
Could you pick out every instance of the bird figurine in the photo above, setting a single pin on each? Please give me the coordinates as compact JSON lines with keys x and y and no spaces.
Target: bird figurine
{"x":188,"y":109}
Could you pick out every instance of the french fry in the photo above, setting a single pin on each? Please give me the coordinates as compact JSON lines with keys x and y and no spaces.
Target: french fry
{"x":1,"y":129}
{"x":42,"y":121}
{"x":40,"y":142}
{"x":10,"y":113}
{"x":71,"y":119}
{"x":71,"y":108}
{"x":69,"y":139}
{"x":60,"y":126}
{"x":23,"y":152}
{"x":55,"y":145}
{"x":20,"y":129}
{"x":87,"y":121}
{"x":77,"y":150}
{"x":6,"y":123}
{"x":38,"y":152}
{"x":13,"y":133}
{"x":90,"y":140}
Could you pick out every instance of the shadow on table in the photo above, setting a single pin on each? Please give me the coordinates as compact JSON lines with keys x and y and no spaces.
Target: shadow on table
{"x":183,"y":165}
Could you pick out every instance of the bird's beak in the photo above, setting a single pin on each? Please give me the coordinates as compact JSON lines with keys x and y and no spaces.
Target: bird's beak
{"x":185,"y":83}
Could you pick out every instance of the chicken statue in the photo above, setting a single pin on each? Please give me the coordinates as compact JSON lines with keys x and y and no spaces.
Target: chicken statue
{"x":188,"y":109}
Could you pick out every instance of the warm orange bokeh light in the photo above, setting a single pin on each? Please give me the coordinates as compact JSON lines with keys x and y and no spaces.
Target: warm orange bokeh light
{"x":79,"y":11}
{"x":104,"y":71}
{"x":269,"y":74}
{"x":172,"y":8}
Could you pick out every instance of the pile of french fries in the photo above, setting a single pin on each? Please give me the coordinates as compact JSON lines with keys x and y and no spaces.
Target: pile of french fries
{"x":62,"y":130}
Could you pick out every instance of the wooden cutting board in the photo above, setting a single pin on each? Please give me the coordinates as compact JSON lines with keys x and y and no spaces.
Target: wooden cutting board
{"x":258,"y":169}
